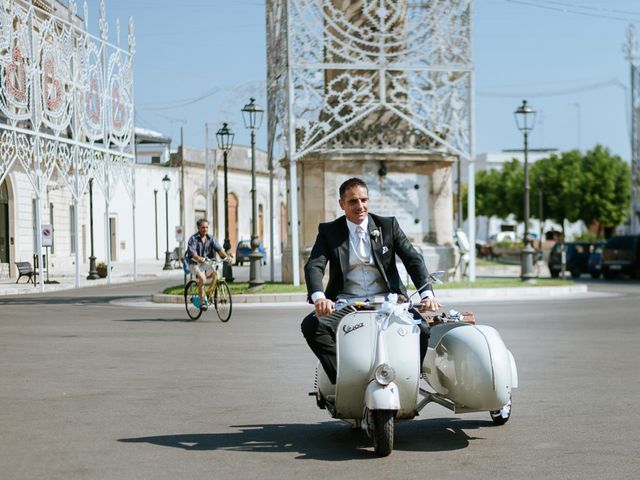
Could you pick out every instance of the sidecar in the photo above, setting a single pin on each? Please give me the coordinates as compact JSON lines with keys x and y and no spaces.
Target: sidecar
{"x":470,"y":369}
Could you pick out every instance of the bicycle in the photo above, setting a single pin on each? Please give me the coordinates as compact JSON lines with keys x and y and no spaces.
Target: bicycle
{"x":217,"y":293}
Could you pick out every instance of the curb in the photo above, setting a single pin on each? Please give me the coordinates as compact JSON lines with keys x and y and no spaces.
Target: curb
{"x":450,"y":294}
{"x":244,"y":298}
{"x":511,"y":293}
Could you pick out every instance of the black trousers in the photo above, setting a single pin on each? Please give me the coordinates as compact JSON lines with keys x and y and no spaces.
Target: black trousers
{"x":320,"y":334}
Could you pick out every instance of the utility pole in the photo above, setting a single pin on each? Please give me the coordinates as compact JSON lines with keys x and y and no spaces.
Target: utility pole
{"x":182,"y":216}
{"x":211,"y":181}
{"x":155,"y":207}
{"x":631,"y":49}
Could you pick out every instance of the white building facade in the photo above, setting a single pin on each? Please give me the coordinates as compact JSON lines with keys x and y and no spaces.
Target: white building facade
{"x":153,"y":234}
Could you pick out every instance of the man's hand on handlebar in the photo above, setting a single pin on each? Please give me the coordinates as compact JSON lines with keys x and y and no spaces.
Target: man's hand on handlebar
{"x":228,"y":258}
{"x":324,"y":306}
{"x":430,"y":304}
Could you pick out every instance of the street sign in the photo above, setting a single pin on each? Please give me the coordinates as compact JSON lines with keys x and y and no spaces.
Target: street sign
{"x":179,"y":234}
{"x":47,"y":235}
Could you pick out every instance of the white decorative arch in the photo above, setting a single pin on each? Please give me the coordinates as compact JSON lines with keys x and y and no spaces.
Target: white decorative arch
{"x":66,"y":102}
{"x":332,"y":64}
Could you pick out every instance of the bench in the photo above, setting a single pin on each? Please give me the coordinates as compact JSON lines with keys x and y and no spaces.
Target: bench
{"x":26,"y":270}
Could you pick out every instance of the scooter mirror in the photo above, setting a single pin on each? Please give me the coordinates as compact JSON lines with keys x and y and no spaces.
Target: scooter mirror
{"x":436,"y":277}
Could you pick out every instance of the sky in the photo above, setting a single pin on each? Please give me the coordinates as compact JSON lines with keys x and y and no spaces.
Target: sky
{"x":199,"y":61}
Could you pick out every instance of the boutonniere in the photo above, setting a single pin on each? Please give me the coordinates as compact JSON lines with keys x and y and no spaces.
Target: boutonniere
{"x":375,"y":234}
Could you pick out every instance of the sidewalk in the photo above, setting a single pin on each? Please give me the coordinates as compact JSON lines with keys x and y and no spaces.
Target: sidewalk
{"x":122,"y":272}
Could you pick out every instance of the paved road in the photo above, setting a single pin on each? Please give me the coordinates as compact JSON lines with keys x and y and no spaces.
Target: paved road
{"x":90,"y":389}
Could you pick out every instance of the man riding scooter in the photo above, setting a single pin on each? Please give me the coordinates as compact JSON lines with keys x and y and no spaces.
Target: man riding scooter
{"x":360,"y":248}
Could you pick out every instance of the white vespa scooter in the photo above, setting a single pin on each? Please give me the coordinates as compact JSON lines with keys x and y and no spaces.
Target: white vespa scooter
{"x":378,"y":377}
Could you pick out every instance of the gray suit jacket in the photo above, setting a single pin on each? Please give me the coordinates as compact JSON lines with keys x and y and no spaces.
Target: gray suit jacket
{"x":332,"y":246}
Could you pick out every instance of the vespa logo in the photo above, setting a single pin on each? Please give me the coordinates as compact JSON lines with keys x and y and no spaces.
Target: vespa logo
{"x":350,"y":328}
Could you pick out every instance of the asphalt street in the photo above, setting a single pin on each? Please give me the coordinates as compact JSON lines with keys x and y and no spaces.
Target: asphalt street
{"x":92,"y":386}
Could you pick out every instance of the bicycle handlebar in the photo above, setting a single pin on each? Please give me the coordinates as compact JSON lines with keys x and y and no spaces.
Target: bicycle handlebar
{"x":213,"y":262}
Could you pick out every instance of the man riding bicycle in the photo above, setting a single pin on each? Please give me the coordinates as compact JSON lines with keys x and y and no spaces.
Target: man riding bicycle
{"x":202,"y":246}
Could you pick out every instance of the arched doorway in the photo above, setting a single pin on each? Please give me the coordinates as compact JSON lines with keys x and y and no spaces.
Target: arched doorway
{"x":233,"y":221}
{"x":4,"y":223}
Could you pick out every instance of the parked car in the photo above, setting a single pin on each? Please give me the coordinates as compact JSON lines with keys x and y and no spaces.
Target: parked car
{"x":502,"y":237}
{"x":595,"y":259}
{"x":244,"y":249}
{"x":621,"y":255}
{"x":577,"y":258}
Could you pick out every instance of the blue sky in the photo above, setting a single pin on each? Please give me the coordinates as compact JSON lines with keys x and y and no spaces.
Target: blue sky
{"x":204,"y":58}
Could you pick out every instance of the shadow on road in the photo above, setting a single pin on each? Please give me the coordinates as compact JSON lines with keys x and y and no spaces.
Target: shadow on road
{"x":32,"y":300}
{"x":184,"y":319}
{"x":325,"y":441}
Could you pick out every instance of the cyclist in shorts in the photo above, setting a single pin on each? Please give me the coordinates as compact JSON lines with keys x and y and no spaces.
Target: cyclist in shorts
{"x":202,"y":246}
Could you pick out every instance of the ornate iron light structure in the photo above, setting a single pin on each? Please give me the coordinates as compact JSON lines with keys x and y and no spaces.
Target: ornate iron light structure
{"x":225,"y":137}
{"x":252,"y":116}
{"x":525,"y":120}
{"x":338,"y":70}
{"x":68,"y":107}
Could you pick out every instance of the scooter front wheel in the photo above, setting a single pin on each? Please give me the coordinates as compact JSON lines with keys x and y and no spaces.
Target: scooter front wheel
{"x":502,"y":416}
{"x":382,"y":432}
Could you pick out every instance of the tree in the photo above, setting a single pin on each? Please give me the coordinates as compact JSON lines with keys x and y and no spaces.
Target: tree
{"x":605,"y":188}
{"x":510,"y":192}
{"x":487,"y":192}
{"x":593,"y":187}
{"x":562,"y":195}
{"x":487,"y":187}
{"x":496,"y":190}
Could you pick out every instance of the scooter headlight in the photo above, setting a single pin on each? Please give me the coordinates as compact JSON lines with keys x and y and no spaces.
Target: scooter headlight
{"x":384,"y":374}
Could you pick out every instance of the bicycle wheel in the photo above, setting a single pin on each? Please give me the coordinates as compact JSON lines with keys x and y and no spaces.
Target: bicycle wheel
{"x":222,"y":301}
{"x":192,"y":300}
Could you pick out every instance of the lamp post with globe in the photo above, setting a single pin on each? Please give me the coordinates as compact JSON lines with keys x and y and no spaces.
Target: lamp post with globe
{"x":225,"y":136}
{"x":525,"y":120}
{"x":252,"y":116}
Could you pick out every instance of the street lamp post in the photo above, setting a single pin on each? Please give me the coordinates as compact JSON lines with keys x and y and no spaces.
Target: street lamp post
{"x":93,"y":272}
{"x":525,"y":120}
{"x":155,"y":209}
{"x":252,"y":116}
{"x":224,"y":136}
{"x":166,"y":183}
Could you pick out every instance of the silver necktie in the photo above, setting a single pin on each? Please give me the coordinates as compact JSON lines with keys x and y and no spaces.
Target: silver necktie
{"x":361,"y":248}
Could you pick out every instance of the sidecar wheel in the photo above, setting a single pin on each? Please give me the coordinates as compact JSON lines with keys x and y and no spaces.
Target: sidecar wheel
{"x":383,"y":432}
{"x":502,"y":416}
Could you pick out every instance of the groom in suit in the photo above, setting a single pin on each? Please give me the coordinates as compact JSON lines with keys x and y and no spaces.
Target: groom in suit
{"x":360,"y":248}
